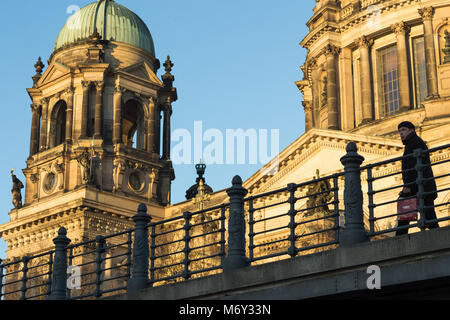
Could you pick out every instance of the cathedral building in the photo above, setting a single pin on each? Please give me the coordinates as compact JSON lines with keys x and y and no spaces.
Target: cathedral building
{"x":100,"y":112}
{"x":100,"y":133}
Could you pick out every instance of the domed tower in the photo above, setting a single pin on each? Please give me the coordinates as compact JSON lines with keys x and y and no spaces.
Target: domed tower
{"x":373,"y":63}
{"x":100,"y":132}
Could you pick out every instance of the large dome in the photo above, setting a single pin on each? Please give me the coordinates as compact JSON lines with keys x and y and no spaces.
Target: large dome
{"x":113,"y":22}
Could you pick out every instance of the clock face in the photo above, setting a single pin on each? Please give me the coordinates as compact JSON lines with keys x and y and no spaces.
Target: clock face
{"x":49,"y":181}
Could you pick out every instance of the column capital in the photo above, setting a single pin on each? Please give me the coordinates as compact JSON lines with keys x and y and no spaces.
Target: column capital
{"x":400,"y":28}
{"x":426,"y":13}
{"x":364,"y":42}
{"x":44,"y":101}
{"x":330,"y":50}
{"x":99,"y":85}
{"x":86,"y":84}
{"x":35,"y":107}
{"x":119,"y":89}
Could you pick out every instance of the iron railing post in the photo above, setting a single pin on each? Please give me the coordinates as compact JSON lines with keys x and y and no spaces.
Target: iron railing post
{"x":251,"y":234}
{"x":353,"y":198}
{"x":59,"y":277}
{"x":370,"y":194}
{"x":236,"y":227}
{"x":99,"y":250}
{"x":187,"y":227}
{"x":336,"y":206}
{"x":420,"y":189}
{"x":25,"y":261}
{"x":139,"y":279}
{"x":222,"y":235}
{"x":1,"y":279}
{"x":152,"y":255}
{"x":292,"y":187}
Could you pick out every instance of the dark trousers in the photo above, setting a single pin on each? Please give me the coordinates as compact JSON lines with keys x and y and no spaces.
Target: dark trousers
{"x":430,"y":214}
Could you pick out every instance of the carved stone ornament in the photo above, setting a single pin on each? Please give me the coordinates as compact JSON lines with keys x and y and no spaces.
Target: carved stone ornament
{"x":331,"y":50}
{"x":15,"y":191}
{"x":400,"y":28}
{"x":426,"y":13}
{"x":364,"y":42}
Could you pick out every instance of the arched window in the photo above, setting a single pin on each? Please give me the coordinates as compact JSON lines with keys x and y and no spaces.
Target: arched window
{"x":58,"y":124}
{"x":133,"y":125}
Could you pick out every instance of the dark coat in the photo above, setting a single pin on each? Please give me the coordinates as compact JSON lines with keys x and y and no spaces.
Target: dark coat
{"x":413,"y":142}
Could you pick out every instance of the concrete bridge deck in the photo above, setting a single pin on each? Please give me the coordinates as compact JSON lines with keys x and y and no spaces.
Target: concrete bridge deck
{"x":411,"y":266}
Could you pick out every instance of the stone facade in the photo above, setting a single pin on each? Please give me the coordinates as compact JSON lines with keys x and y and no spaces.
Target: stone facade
{"x":105,"y":91}
{"x":95,"y":151}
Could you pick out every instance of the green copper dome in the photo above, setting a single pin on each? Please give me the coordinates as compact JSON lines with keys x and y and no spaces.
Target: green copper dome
{"x":113,"y":22}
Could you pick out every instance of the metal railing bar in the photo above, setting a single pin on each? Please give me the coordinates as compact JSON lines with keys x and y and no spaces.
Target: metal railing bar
{"x":316,"y":219}
{"x":204,"y":270}
{"x":168,"y":266}
{"x":272,"y":255}
{"x":315,"y":232}
{"x":206,"y":234}
{"x":329,"y":243}
{"x":270,"y":205}
{"x":270,"y":218}
{"x":270,"y":230}
{"x":269,"y":243}
{"x":206,"y":245}
{"x":206,"y":257}
{"x":168,"y":231}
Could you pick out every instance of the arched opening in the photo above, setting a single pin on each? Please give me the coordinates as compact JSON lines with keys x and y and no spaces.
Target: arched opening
{"x":58,"y":124}
{"x":133,"y":125}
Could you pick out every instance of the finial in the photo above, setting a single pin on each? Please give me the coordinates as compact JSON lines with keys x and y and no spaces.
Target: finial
{"x":168,"y":78}
{"x":39,"y":66}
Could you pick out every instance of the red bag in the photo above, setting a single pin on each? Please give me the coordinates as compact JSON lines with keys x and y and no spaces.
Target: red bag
{"x":405,"y":206}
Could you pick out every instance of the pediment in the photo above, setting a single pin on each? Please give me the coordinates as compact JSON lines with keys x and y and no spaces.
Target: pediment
{"x":318,"y":149}
{"x":143,"y":71}
{"x":54,"y":71}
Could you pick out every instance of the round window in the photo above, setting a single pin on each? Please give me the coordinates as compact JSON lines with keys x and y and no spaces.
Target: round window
{"x":49,"y":181}
{"x":135,"y":181}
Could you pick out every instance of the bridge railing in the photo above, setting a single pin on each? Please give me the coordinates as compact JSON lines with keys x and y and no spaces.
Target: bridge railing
{"x":384,"y":183}
{"x":291,"y":221}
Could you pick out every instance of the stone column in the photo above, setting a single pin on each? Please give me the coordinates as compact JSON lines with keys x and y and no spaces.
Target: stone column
{"x":34,"y":138}
{"x":167,"y":109}
{"x":366,"y":80}
{"x":158,"y":129}
{"x":69,"y":113}
{"x":44,"y":124}
{"x":117,"y":114}
{"x":315,"y":75}
{"x":98,"y":110}
{"x":85,"y":109}
{"x":151,"y":125}
{"x":331,"y":53}
{"x":430,"y":54}
{"x":307,"y":105}
{"x":401,"y":29}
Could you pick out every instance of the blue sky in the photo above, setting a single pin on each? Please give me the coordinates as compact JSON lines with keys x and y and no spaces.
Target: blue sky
{"x":236,"y":63}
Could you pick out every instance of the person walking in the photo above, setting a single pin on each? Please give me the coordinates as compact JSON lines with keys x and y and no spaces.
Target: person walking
{"x":412,"y":142}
